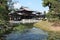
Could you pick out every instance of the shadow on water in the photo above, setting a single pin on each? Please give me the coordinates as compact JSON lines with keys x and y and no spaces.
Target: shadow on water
{"x":29,"y":33}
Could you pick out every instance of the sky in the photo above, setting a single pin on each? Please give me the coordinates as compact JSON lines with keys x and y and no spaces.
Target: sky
{"x":35,"y":5}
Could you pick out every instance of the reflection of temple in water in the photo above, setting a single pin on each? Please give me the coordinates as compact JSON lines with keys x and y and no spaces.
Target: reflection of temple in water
{"x":23,"y":13}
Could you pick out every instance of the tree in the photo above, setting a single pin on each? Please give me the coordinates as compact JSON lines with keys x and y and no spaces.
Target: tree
{"x":4,"y":18}
{"x":3,"y":10}
{"x":54,"y":7}
{"x":52,"y":4}
{"x":11,"y":5}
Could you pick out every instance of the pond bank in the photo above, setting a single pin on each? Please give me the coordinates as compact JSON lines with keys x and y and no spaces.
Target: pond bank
{"x":47,"y":26}
{"x":53,"y":31}
{"x":26,"y":32}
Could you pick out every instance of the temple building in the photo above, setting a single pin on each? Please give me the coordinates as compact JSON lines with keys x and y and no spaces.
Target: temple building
{"x":23,"y":13}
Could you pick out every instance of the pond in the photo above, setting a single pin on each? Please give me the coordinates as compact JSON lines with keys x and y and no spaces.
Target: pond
{"x":28,"y":34}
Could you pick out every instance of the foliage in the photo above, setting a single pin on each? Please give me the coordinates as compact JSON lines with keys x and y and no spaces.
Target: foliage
{"x":3,"y":10}
{"x":22,"y":27}
{"x":4,"y":18}
{"x":52,"y":4}
{"x":54,"y":36}
{"x":54,"y":8}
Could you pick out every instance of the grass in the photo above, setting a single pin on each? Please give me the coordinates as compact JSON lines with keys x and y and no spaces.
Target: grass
{"x":53,"y":32}
{"x":46,"y":26}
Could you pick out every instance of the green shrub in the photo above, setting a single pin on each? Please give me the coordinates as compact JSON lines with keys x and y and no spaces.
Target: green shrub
{"x":53,"y":36}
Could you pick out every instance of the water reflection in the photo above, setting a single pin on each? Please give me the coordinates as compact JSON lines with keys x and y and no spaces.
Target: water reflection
{"x":29,"y":34}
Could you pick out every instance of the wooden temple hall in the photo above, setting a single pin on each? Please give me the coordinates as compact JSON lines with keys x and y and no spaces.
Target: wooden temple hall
{"x":23,"y":13}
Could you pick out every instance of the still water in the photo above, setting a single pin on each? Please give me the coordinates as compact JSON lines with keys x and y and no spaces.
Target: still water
{"x":29,"y":34}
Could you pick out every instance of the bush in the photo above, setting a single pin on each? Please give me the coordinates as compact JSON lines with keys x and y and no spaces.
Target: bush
{"x":54,"y":36}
